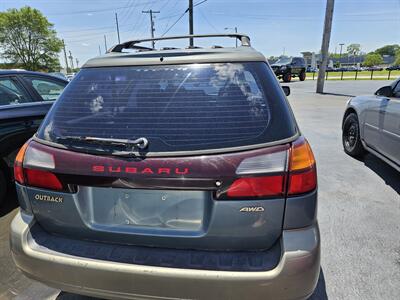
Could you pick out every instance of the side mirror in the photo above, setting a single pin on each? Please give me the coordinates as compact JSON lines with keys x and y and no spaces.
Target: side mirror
{"x":385,"y":91}
{"x":286,"y":90}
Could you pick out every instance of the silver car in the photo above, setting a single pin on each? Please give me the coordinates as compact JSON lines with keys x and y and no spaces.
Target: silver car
{"x":372,"y":123}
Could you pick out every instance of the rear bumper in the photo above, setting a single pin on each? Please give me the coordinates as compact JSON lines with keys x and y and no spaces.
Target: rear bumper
{"x":294,"y":277}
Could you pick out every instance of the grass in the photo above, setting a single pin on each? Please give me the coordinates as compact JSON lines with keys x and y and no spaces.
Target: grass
{"x":362,"y":75}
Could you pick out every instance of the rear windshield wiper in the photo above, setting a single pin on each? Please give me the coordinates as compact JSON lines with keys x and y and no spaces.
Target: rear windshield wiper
{"x":140,"y":143}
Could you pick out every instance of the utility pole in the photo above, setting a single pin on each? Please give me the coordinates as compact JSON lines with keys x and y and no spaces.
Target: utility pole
{"x":116,"y":22}
{"x":191,"y":44}
{"x":77,"y":62}
{"x":152,"y":30}
{"x":236,"y":40}
{"x":325,"y":45}
{"x":236,"y":31}
{"x":65,"y":57}
{"x":71,"y":59}
{"x":99,"y":50}
{"x":105,"y":42}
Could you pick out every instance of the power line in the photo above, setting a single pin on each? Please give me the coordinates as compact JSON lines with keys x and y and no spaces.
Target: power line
{"x":126,"y":13}
{"x":169,"y":17}
{"x":180,"y":17}
{"x":138,"y":29}
{"x":207,"y":21}
{"x":98,"y":10}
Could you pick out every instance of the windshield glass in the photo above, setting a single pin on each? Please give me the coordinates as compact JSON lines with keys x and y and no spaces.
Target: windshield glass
{"x":175,"y":107}
{"x":284,"y":61}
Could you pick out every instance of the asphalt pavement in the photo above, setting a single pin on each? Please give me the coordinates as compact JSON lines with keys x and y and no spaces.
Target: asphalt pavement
{"x":359,"y":208}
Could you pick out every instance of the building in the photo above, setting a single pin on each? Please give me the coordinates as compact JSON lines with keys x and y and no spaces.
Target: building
{"x":345,"y":60}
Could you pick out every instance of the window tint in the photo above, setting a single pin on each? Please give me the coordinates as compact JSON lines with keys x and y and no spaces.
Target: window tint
{"x":176,"y":107}
{"x":11,"y":92}
{"x":49,"y":90}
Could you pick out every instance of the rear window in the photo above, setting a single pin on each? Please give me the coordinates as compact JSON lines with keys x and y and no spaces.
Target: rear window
{"x":175,"y":107}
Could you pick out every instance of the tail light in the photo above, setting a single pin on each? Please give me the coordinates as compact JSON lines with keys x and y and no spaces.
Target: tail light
{"x":288,"y":172}
{"x":33,"y":167}
{"x":263,"y":186}
{"x":302,"y":168}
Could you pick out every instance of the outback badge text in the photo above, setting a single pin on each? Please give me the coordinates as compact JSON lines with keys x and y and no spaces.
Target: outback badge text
{"x":47,"y":198}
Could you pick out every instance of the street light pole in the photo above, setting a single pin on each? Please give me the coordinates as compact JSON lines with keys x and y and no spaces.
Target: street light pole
{"x":340,"y":55}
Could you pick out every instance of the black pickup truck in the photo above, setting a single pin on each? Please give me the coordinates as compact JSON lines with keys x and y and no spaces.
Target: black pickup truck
{"x":288,"y":67}
{"x":25,"y":98}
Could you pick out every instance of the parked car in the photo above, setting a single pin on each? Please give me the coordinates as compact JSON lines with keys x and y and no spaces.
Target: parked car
{"x":173,"y":174}
{"x":374,"y":68}
{"x":353,"y":68}
{"x":372,"y":123}
{"x":288,"y":67}
{"x":311,"y":69}
{"x":330,"y":69}
{"x":25,"y":98}
{"x":342,"y":69}
{"x":393,"y":68}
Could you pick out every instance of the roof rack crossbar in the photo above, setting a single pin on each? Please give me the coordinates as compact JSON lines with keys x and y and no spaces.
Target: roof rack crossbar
{"x":243,"y":38}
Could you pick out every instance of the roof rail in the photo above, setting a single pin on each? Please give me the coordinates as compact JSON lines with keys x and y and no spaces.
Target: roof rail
{"x":243,"y":38}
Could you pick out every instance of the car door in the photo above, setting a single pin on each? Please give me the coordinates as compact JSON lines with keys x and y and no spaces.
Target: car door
{"x":390,"y":137}
{"x":371,"y":120}
{"x":15,"y":115}
{"x":46,"y":89}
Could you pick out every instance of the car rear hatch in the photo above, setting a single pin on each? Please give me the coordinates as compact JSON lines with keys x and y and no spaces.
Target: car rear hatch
{"x":193,"y":157}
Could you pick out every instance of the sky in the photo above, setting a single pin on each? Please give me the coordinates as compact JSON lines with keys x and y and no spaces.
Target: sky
{"x":276,"y":27}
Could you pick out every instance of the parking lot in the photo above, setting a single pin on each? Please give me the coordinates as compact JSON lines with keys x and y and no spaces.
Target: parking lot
{"x":359,"y":208}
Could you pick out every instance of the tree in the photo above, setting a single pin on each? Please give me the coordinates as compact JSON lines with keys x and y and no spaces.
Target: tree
{"x":354,"y":49}
{"x":397,"y":61}
{"x":373,"y":59}
{"x":388,"y":50}
{"x":28,"y":39}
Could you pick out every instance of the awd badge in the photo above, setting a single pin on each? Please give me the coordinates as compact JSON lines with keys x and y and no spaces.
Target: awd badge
{"x":252,"y":209}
